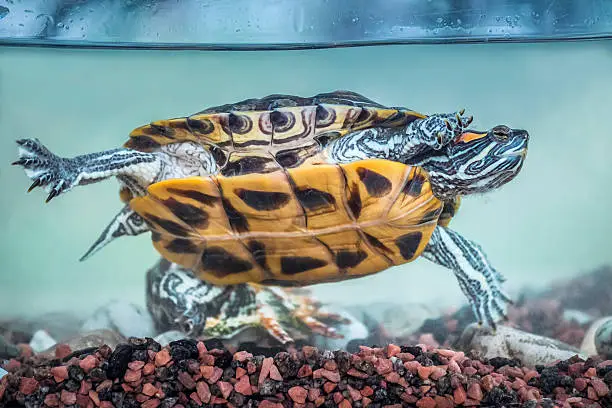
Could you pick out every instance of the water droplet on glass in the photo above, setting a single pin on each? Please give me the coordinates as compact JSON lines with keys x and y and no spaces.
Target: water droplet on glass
{"x":60,"y":24}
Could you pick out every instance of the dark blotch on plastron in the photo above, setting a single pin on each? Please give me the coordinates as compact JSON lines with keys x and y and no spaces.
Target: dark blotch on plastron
{"x":182,"y":246}
{"x":430,"y":216}
{"x":142,"y":143}
{"x":291,"y":265}
{"x":239,"y":124}
{"x":222,"y":263}
{"x":258,"y":251}
{"x":195,"y":195}
{"x":202,"y":126}
{"x":376,"y":184}
{"x":280,"y":282}
{"x":414,"y":186}
{"x":155,"y":236}
{"x":408,"y":244}
{"x":349,"y":259}
{"x":246,"y":165}
{"x":236,"y":219}
{"x":376,"y":243}
{"x":312,"y":199}
{"x":188,"y":213}
{"x":170,"y":226}
{"x":263,"y":200}
{"x":354,"y":200}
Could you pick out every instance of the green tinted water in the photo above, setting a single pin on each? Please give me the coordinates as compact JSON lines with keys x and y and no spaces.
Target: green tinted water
{"x":552,"y":221}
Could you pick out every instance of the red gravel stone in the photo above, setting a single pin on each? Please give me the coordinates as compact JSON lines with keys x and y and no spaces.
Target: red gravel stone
{"x":367,"y":391}
{"x":162,"y":358}
{"x":265,"y":369}
{"x":425,"y":371}
{"x":275,"y":374}
{"x":132,"y":375}
{"x":226,"y":388}
{"x":88,"y":363}
{"x":338,"y":397}
{"x":242,"y":356}
{"x":474,"y":391}
{"x":330,"y":365}
{"x":330,"y":375}
{"x":383,"y":366}
{"x":52,"y":400}
{"x":353,"y":393}
{"x":426,"y":402}
{"x":356,"y":373}
{"x":600,"y":387}
{"x":194,"y":397}
{"x":94,"y":397}
{"x":203,"y":392}
{"x":313,"y":394}
{"x":240,"y":372}
{"x":136,"y":365}
{"x":67,"y":397}
{"x":62,"y":350}
{"x":443,"y":402}
{"x":12,"y":366}
{"x":328,"y":387}
{"x":243,"y":386}
{"x":346,"y":404}
{"x":298,"y":394}
{"x":186,"y":380}
{"x":152,"y":403}
{"x":459,"y":395}
{"x":304,"y":371}
{"x":393,"y":350}
{"x":85,"y":387}
{"x":148,"y":369}
{"x":28,"y":385}
{"x":149,"y":389}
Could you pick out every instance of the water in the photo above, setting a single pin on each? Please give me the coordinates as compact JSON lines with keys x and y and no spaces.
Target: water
{"x":553,"y":221}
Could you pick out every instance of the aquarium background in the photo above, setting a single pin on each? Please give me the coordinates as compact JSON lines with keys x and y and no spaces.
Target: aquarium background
{"x":553,"y":221}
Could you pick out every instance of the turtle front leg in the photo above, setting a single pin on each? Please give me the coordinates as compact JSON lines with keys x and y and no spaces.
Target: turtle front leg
{"x":57,"y":175}
{"x":398,"y":144}
{"x":478,"y":279}
{"x":178,"y":300}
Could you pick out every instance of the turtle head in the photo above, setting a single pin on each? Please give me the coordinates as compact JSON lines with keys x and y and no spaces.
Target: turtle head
{"x":477,"y":162}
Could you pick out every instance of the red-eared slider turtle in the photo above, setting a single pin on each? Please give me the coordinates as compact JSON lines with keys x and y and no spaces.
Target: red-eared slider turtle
{"x":290,"y":191}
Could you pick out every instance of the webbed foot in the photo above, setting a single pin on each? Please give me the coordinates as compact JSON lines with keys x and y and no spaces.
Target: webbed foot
{"x":178,"y":300}
{"x":478,"y":279}
{"x":439,"y":129}
{"x":47,"y":170}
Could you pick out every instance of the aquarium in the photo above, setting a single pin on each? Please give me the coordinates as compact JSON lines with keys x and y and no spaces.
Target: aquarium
{"x":508,"y":115}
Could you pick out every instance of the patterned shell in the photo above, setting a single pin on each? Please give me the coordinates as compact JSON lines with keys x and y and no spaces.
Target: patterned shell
{"x":259,"y":135}
{"x":305,"y":225}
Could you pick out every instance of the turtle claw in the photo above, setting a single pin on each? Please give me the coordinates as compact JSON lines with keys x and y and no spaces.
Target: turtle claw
{"x":303,"y":310}
{"x":47,"y":170}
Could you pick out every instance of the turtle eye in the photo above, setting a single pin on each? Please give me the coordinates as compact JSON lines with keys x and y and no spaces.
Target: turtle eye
{"x":501,"y":133}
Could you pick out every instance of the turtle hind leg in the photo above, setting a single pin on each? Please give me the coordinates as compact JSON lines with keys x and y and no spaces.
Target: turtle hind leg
{"x":127,"y":222}
{"x":178,"y":300}
{"x":478,"y":279}
{"x":58,"y":175}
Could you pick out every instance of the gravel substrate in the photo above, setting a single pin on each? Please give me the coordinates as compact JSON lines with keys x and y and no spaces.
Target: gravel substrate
{"x":190,"y":374}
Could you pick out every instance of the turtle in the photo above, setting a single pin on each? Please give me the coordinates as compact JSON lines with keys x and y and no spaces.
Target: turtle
{"x":241,"y":196}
